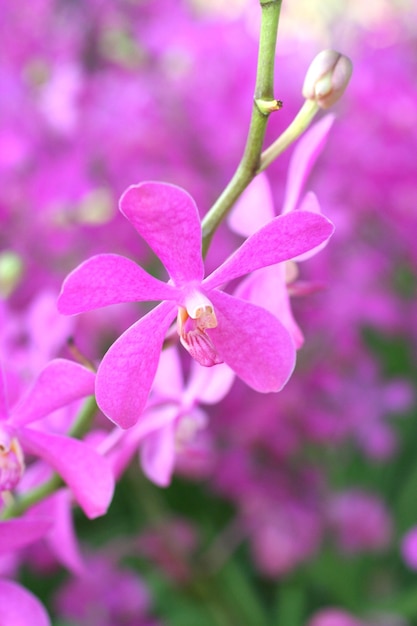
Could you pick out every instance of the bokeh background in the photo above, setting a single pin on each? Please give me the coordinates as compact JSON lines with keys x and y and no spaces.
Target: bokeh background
{"x":290,"y":509}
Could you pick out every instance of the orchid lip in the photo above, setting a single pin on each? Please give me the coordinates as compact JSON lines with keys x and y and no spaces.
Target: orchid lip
{"x":192,"y":322}
{"x":12,"y":464}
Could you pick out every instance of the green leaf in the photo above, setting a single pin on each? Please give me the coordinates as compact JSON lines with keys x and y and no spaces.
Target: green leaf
{"x":290,"y":605}
{"x":234,"y":586}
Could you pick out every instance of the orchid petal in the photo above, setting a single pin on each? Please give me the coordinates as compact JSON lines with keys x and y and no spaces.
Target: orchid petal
{"x":252,"y":342}
{"x":267,"y":288}
{"x":208,"y":385}
{"x":62,"y":538}
{"x":3,"y":396}
{"x":84,"y":470}
{"x":19,"y":607}
{"x":125,"y":375}
{"x":49,"y":330}
{"x":254,"y":208}
{"x":109,"y":279}
{"x":303,"y":159}
{"x":310,"y":203}
{"x":169,"y":380}
{"x":20,"y":532}
{"x":151,"y":420}
{"x":158,"y":455}
{"x":120,"y":456}
{"x":59,"y":383}
{"x":283,"y":238}
{"x":167,"y":218}
{"x":154,"y":419}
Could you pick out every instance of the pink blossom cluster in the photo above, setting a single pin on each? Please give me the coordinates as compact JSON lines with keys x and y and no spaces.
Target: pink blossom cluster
{"x":184,"y":355}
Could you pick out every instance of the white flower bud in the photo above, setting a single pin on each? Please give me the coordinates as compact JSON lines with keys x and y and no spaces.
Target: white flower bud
{"x":327,"y":78}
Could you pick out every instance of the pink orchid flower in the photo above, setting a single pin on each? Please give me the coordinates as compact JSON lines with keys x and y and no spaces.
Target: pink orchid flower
{"x":214,"y":326}
{"x":172,"y":418}
{"x":86,"y":473}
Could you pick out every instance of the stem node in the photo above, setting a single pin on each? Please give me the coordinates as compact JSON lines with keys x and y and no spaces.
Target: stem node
{"x":268,"y":106}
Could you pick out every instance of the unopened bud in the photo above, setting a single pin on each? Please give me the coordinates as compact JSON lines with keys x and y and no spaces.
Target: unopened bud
{"x":327,"y":78}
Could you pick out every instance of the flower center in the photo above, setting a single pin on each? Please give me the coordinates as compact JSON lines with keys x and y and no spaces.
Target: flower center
{"x":192,"y":323}
{"x":12,"y":464}
{"x":188,"y":427}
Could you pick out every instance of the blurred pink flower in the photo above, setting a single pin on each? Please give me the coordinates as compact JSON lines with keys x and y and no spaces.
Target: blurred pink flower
{"x":360,"y":521}
{"x":170,"y":546}
{"x":334,"y":617}
{"x":409,"y":548}
{"x":284,"y":536}
{"x":104,"y":595}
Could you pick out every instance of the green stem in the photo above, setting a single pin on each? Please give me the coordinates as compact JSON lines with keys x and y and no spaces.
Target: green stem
{"x":84,"y":419}
{"x":299,"y":124}
{"x":23,"y":502}
{"x":222,"y":547}
{"x":264,"y":90}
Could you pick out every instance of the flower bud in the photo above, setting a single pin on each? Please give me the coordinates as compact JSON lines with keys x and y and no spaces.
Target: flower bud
{"x":327,"y":78}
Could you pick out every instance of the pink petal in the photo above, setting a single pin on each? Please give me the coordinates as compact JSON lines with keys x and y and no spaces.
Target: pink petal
{"x":253,"y":209}
{"x":126,"y":373}
{"x":3,"y":396}
{"x":19,"y":607}
{"x":109,"y":279}
{"x":156,"y":418}
{"x":158,"y":455}
{"x":20,"y":532}
{"x":208,"y":385}
{"x":169,"y":381}
{"x":151,"y":420}
{"x":167,"y":218}
{"x":252,"y":342}
{"x":310,"y":203}
{"x":303,"y":159}
{"x":59,"y":383}
{"x":86,"y":472}
{"x":48,"y":330}
{"x":283,"y":238}
{"x":267,"y":288}
{"x":62,"y":538}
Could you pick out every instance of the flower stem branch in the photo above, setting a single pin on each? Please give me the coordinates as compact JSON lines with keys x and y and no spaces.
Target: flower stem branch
{"x":299,"y":124}
{"x":223,"y":546}
{"x":23,"y":502}
{"x":264,"y":91}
